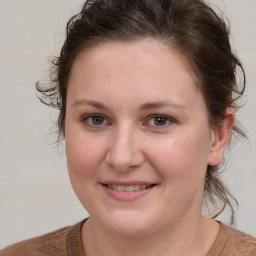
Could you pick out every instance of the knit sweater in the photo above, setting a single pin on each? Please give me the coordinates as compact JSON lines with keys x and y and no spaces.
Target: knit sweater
{"x":67,"y":242}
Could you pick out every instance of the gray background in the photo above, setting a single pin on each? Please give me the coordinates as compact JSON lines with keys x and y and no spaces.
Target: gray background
{"x":35,"y":193}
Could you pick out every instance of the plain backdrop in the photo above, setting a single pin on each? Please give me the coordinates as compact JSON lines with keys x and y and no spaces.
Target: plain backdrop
{"x":35,"y":194}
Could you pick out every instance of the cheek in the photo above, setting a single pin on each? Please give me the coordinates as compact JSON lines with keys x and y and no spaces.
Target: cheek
{"x":84,"y":153}
{"x":180,"y":158}
{"x":84,"y":157}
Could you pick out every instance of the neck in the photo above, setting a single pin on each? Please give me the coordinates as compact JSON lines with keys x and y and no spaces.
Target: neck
{"x":193,"y":237}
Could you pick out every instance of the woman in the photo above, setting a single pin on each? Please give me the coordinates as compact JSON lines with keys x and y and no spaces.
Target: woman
{"x":147,"y":93}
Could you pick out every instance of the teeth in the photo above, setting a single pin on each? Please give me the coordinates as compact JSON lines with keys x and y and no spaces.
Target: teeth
{"x":128,"y":188}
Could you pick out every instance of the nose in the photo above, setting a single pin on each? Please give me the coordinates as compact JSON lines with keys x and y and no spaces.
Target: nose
{"x":125,"y":151}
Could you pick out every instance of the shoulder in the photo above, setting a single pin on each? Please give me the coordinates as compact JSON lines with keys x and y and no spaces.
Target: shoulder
{"x":53,"y":243}
{"x":239,"y":243}
{"x":231,"y":242}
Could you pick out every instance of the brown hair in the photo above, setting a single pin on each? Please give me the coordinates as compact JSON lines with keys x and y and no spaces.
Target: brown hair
{"x":190,"y":26}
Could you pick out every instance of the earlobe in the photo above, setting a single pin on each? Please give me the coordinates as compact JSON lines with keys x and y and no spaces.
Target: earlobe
{"x":220,"y":138}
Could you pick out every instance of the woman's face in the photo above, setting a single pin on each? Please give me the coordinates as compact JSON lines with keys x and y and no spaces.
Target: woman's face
{"x":137,"y":137}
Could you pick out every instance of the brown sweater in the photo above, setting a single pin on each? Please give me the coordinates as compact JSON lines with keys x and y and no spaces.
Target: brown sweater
{"x":67,"y":242}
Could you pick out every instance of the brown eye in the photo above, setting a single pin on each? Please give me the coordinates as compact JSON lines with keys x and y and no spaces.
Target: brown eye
{"x":97,"y":120}
{"x":160,"y":120}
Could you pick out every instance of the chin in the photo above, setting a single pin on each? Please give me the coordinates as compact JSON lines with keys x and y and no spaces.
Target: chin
{"x":128,"y":224}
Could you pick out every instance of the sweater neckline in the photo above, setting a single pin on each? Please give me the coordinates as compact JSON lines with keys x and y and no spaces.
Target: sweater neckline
{"x":74,"y":240}
{"x":220,"y":241}
{"x":75,"y":245}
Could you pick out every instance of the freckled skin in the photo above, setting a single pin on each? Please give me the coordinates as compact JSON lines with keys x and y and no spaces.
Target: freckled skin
{"x":128,"y":145}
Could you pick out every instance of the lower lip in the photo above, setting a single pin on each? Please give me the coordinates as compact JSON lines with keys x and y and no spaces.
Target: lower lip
{"x":126,"y":196}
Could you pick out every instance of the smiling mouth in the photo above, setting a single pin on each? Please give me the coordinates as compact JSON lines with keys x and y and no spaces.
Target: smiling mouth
{"x":129,"y":188}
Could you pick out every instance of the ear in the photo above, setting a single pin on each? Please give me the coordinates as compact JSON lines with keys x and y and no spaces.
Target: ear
{"x":220,"y":137}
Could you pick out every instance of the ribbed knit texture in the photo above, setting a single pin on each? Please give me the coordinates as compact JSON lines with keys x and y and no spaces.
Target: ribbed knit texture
{"x":67,"y":242}
{"x":231,"y":242}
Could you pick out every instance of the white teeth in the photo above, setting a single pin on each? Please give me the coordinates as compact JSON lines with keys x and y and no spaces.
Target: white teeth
{"x":128,"y":188}
{"x":137,"y":187}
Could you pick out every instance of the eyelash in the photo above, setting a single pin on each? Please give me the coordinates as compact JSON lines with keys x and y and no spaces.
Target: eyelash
{"x":166,"y":119}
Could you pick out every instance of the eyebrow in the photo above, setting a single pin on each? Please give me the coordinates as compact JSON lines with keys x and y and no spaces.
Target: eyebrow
{"x":143,"y":107}
{"x":93,"y":103}
{"x":160,"y":104}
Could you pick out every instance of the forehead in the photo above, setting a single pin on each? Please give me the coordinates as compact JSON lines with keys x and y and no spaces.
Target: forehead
{"x":145,"y":68}
{"x":141,"y":52}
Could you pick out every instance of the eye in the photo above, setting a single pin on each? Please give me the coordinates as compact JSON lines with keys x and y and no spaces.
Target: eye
{"x":95,"y":120}
{"x":160,"y":121}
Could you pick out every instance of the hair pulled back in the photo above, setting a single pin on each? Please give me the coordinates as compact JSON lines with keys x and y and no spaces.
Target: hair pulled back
{"x":190,"y":26}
